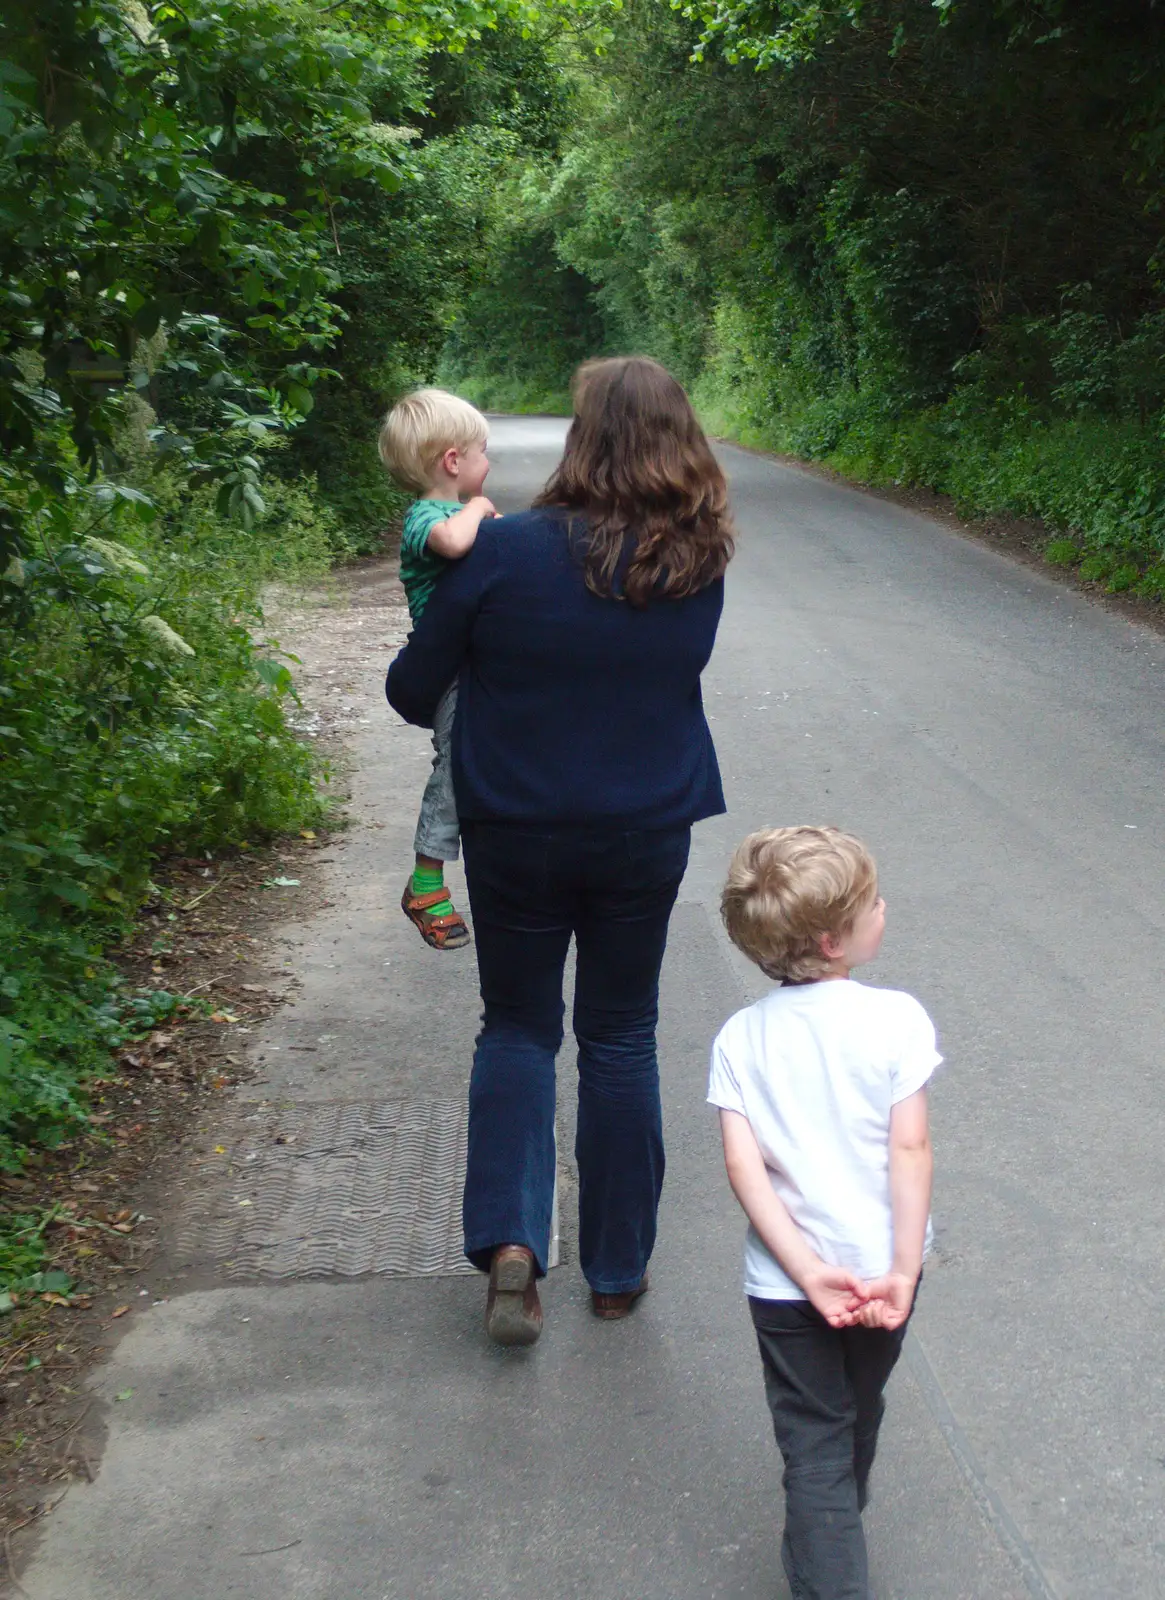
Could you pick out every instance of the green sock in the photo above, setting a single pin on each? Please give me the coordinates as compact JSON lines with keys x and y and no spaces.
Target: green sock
{"x":425,"y":880}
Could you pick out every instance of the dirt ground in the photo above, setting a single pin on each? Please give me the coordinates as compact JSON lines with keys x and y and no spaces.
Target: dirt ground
{"x":207,"y":934}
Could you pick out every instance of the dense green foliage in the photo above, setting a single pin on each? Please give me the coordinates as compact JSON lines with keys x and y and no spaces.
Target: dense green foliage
{"x":919,"y":240}
{"x":228,"y":235}
{"x":922,"y":242}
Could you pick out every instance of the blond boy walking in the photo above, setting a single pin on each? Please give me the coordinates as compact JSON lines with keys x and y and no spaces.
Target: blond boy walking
{"x":821,"y":1088}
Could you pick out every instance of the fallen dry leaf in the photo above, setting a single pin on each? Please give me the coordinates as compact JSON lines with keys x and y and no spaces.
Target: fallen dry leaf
{"x":119,"y":1311}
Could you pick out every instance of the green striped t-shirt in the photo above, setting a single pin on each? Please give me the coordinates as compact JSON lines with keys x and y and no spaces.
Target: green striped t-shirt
{"x":420,"y":567}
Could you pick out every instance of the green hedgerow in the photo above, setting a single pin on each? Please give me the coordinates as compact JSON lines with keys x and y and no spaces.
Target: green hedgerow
{"x":143,"y":710}
{"x":1124,"y":577}
{"x":1095,"y":568}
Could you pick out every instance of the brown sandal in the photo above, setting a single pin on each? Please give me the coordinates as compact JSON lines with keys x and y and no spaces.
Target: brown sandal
{"x":443,"y":933}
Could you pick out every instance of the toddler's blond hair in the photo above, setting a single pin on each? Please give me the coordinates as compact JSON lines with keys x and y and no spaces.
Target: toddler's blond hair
{"x":420,"y":428}
{"x":789,"y":887}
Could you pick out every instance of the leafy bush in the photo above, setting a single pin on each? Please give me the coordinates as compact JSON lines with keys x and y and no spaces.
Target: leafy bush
{"x":62,"y":1009}
{"x":141,"y":711}
{"x":22,"y":1255}
{"x":1102,"y":479}
{"x":1151,"y":584}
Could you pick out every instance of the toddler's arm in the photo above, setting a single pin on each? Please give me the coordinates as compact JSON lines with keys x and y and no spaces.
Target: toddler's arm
{"x":454,"y":537}
{"x":834,"y":1291}
{"x":911,"y":1172}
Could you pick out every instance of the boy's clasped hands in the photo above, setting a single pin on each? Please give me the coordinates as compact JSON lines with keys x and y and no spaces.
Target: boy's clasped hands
{"x":846,"y":1301}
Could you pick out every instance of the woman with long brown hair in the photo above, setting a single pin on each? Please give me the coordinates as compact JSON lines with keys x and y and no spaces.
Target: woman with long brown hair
{"x":581,"y":759}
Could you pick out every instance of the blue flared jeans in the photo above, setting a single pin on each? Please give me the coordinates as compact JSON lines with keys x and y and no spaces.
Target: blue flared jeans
{"x":530,"y":889}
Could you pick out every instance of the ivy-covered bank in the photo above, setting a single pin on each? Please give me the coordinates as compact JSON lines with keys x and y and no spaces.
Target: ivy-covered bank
{"x":919,"y":241}
{"x":229,"y":234}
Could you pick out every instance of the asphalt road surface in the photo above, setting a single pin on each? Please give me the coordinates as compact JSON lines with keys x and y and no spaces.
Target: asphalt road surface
{"x":998,"y":741}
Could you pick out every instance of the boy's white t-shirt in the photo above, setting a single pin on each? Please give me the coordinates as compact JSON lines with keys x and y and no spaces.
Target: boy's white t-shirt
{"x":815,"y":1068}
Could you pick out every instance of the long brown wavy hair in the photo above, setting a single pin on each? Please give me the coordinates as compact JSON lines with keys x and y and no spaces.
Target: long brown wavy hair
{"x":637,"y":466}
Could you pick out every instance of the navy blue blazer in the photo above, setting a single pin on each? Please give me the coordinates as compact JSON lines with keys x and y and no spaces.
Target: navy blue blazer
{"x":571,"y":708}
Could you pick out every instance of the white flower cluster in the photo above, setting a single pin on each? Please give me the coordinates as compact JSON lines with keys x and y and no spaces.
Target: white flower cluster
{"x":116,"y":557}
{"x":388,"y":133}
{"x":161,"y":630}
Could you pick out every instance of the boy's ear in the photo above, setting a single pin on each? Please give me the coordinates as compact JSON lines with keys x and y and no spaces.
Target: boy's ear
{"x":831,"y":946}
{"x":451,"y":461}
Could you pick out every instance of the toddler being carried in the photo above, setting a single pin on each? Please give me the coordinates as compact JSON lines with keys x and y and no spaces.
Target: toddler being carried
{"x":435,"y":443}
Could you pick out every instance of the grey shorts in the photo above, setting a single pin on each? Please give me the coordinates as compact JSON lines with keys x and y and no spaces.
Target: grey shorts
{"x":438,"y":830}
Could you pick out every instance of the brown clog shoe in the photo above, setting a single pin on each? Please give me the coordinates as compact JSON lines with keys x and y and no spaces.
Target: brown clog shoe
{"x":513,"y":1311}
{"x":611,"y":1307}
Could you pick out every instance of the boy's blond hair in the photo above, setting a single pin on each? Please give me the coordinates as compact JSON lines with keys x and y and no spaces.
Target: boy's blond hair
{"x":420,"y":428}
{"x":789,"y":887}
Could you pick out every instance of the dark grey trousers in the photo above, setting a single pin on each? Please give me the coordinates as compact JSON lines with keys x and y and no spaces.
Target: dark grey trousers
{"x":824,"y":1388}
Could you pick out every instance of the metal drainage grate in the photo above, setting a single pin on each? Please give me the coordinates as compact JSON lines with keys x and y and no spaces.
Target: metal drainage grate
{"x":350,"y":1188}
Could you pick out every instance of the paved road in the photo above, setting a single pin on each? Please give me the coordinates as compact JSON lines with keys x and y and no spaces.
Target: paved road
{"x":999,"y":742}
